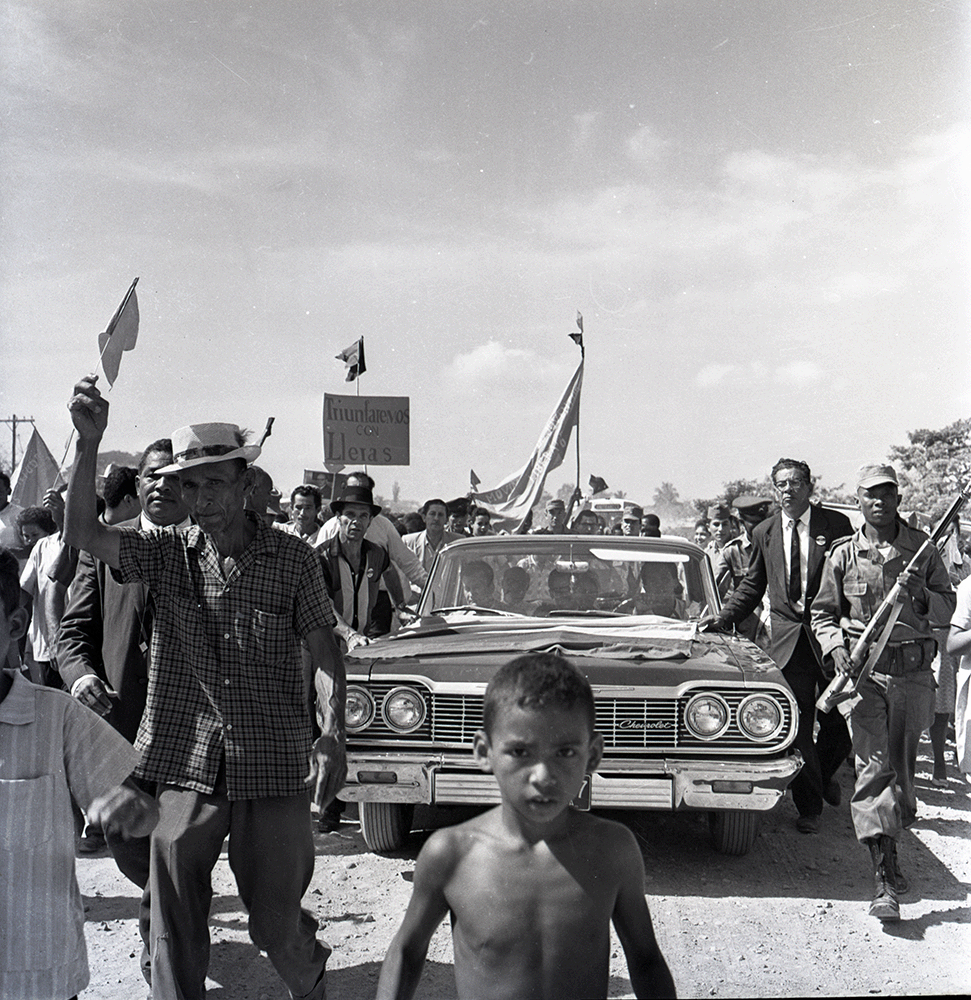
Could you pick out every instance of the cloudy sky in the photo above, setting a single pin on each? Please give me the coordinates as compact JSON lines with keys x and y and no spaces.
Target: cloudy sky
{"x":760,"y":208}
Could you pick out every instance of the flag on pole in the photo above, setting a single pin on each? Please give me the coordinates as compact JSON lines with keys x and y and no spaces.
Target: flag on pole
{"x":353,"y":357}
{"x":36,"y":473}
{"x":474,"y":479}
{"x":577,"y":338}
{"x":120,"y":335}
{"x":597,"y":485}
{"x":513,"y":498}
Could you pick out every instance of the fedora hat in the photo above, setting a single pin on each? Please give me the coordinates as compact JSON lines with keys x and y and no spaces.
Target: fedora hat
{"x":355,"y":494}
{"x":202,"y":444}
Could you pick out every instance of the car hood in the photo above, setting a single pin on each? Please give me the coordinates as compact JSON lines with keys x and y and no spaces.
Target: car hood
{"x":610,"y":651}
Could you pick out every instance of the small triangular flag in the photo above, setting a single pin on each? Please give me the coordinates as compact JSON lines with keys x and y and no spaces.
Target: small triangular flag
{"x":120,"y":335}
{"x":597,"y":485}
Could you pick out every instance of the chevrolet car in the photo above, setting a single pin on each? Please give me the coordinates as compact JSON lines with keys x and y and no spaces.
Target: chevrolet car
{"x":690,"y":720}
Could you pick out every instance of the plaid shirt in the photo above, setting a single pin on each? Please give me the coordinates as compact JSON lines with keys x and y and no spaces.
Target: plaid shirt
{"x":225,"y":677}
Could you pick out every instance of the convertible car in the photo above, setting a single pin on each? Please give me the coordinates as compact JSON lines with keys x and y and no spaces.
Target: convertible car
{"x":690,"y":720}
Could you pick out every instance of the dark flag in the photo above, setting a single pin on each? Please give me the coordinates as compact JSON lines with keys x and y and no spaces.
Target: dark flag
{"x":597,"y":485}
{"x":353,"y":357}
{"x":577,"y":338}
{"x":474,"y":479}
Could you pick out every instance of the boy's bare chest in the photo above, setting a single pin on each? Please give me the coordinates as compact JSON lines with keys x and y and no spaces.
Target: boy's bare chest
{"x":496,"y":901}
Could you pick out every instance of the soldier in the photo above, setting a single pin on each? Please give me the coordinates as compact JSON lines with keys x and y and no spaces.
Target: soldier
{"x":732,"y":562}
{"x":895,"y":702}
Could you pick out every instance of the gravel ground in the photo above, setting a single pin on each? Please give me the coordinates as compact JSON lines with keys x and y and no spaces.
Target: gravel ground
{"x":788,"y":920}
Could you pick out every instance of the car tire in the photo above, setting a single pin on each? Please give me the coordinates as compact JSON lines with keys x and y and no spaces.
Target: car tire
{"x":733,"y":831}
{"x":385,"y":825}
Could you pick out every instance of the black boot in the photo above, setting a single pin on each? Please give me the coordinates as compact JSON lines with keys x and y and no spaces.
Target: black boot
{"x":902,"y":884}
{"x":884,"y":905}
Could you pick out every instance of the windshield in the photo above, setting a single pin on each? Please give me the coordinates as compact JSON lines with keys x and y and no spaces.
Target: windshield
{"x":561,"y":575}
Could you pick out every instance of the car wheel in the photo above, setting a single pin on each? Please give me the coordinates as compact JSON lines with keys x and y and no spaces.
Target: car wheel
{"x":385,"y":825}
{"x":733,"y":831}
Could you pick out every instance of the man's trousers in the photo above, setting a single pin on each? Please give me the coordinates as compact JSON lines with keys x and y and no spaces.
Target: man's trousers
{"x":271,"y":853}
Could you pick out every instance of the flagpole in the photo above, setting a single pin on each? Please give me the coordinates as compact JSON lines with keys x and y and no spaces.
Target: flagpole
{"x":582,"y":356}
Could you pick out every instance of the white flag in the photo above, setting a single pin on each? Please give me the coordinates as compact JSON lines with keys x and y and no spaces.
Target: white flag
{"x":516,"y":495}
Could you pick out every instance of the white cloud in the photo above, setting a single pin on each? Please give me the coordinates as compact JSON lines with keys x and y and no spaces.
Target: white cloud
{"x":798,"y":373}
{"x":755,"y":373}
{"x":645,"y":146}
{"x":489,"y":362}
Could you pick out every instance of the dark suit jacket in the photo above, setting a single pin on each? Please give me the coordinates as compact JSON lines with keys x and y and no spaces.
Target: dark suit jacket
{"x":767,"y":572}
{"x":106,"y":630}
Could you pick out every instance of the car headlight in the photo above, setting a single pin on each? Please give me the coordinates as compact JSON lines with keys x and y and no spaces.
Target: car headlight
{"x":760,"y":717}
{"x":358,"y":709}
{"x":707,"y":715}
{"x":404,"y":709}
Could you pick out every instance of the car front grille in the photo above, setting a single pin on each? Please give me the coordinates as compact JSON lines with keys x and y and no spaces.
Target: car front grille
{"x":653,"y":726}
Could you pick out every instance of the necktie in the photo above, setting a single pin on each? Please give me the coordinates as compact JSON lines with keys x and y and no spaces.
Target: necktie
{"x":795,"y":574}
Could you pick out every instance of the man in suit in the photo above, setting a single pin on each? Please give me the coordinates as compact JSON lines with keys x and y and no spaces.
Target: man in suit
{"x":103,"y":644}
{"x":788,"y":551}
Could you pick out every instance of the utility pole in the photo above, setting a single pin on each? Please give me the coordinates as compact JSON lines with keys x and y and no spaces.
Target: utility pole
{"x":13,"y":421}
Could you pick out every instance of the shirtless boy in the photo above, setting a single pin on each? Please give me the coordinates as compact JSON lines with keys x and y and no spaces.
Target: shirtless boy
{"x":533,"y":884}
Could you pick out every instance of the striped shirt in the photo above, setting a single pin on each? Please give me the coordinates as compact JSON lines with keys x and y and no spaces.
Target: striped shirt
{"x":225,"y":680}
{"x":51,"y":748}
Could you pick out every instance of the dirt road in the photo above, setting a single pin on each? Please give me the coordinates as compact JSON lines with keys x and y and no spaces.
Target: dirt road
{"x":787,"y":920}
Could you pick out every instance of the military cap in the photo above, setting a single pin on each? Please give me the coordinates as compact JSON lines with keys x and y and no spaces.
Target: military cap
{"x":750,"y":505}
{"x":874,"y":475}
{"x":634,"y":514}
{"x":719,"y":512}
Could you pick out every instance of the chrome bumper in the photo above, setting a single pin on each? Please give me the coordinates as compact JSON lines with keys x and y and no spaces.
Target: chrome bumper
{"x":619,"y":784}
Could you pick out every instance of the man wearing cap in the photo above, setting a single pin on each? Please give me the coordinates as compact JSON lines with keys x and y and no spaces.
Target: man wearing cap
{"x":631,"y":523}
{"x":895,"y":702}
{"x":788,"y":550}
{"x":732,"y":562}
{"x":555,"y":519}
{"x":226,"y":732}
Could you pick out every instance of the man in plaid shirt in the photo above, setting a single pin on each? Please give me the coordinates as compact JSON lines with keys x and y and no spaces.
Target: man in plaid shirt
{"x":226,"y":732}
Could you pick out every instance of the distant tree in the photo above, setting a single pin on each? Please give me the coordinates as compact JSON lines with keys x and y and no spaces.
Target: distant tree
{"x":934,"y":466}
{"x":666,"y":496}
{"x":618,"y":494}
{"x":395,"y":491}
{"x":564,"y":492}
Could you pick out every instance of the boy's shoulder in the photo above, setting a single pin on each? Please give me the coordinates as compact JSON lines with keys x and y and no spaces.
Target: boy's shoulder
{"x":607,"y":835}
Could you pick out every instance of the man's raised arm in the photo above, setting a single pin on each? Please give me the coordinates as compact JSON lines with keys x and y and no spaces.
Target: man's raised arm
{"x":82,"y":529}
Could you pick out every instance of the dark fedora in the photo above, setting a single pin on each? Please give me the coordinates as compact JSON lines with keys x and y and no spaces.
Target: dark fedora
{"x":355,"y":494}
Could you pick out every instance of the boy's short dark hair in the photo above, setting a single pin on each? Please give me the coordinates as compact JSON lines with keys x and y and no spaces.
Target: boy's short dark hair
{"x":538,"y":680}
{"x":9,"y":581}
{"x":5,"y":479}
{"x":119,"y":483}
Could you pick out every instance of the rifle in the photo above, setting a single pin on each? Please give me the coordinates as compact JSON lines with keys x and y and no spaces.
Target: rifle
{"x":867,"y":651}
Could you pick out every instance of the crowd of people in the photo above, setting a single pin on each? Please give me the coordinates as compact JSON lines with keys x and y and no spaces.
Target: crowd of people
{"x":183,"y":612}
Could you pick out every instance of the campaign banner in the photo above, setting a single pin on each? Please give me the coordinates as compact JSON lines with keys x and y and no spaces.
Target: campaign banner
{"x":330,"y":484}
{"x":366,"y":430}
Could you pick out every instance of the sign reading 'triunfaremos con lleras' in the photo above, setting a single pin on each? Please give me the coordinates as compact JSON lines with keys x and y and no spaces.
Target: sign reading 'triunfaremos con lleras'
{"x":370,"y":430}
